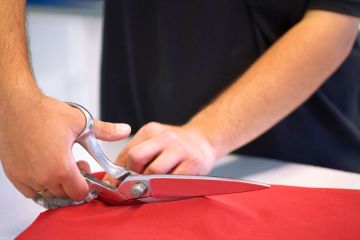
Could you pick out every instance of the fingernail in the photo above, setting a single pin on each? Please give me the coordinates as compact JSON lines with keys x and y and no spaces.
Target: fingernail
{"x":107,"y":182}
{"x":122,"y":127}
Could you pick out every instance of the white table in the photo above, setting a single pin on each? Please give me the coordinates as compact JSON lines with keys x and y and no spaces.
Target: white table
{"x":17,"y":212}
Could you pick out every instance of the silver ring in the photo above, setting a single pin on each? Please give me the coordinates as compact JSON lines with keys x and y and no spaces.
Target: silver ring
{"x":44,"y":189}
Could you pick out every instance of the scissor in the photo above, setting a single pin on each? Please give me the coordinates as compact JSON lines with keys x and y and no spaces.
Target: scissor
{"x":133,"y":188}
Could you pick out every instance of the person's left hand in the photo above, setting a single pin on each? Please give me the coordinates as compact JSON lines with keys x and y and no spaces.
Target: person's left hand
{"x":159,"y":149}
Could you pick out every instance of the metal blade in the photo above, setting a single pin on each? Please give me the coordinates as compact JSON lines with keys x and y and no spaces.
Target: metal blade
{"x":191,"y":186}
{"x":183,"y":186}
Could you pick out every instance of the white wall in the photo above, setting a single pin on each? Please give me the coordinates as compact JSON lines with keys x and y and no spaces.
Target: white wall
{"x":65,"y":49}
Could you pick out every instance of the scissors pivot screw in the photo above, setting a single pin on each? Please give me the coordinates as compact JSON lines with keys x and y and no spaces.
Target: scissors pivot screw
{"x":138,"y":190}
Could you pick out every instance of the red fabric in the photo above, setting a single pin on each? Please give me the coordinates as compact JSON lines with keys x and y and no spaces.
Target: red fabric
{"x":280,"y":212}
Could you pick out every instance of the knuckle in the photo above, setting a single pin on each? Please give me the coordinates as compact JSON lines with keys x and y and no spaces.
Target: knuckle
{"x":138,"y":153}
{"x":193,"y":167}
{"x":105,"y":128}
{"x":151,"y":128}
{"x":58,"y":174}
{"x":155,"y":170}
{"x":44,"y":179}
{"x":136,"y":160}
{"x":196,"y":163}
{"x":131,"y":156}
{"x":171,"y":136}
{"x":134,"y":156}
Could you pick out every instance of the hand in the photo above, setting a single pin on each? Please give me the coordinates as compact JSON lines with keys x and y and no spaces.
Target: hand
{"x":36,"y":138}
{"x":159,"y":149}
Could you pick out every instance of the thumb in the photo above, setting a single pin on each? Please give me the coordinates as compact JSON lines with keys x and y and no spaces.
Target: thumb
{"x":111,"y":131}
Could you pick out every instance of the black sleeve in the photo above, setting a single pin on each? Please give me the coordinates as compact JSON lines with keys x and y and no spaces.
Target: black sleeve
{"x":348,"y":7}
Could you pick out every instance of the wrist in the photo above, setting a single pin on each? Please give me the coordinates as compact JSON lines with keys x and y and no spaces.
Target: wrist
{"x":18,"y":96}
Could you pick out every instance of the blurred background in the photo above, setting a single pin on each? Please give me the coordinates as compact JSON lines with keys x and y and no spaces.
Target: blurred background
{"x":65,"y":43}
{"x":76,"y":3}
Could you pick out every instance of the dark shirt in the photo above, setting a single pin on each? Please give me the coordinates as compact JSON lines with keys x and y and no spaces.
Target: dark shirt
{"x":164,"y":60}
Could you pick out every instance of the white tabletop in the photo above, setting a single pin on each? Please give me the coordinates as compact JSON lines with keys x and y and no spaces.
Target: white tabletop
{"x":17,"y":212}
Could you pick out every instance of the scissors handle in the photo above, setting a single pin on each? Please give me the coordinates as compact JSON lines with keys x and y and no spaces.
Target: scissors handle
{"x":88,"y":141}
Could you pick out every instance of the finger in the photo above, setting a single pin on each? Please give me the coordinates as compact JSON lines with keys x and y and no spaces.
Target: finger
{"x":74,"y":184}
{"x":110,"y":180}
{"x":111,"y":131}
{"x":148,"y":131}
{"x":48,"y":191}
{"x":84,"y":166}
{"x":30,"y":190}
{"x":47,"y":194}
{"x":140,"y":147}
{"x":164,"y":163}
{"x":144,"y":153}
{"x":57,"y":191}
{"x":121,"y":159}
{"x":26,"y":190}
{"x":186,"y":167}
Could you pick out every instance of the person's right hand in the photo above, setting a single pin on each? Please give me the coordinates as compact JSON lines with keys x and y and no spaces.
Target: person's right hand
{"x":36,"y":138}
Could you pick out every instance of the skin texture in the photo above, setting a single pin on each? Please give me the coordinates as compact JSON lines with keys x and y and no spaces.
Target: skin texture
{"x":36,"y":131}
{"x":284,"y":77}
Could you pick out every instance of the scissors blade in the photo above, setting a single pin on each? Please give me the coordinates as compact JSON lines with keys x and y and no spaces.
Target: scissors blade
{"x":178,"y":186}
{"x":155,"y":188}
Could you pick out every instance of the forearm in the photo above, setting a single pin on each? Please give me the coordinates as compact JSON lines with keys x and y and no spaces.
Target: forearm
{"x":15,"y":72}
{"x":283,"y":78}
